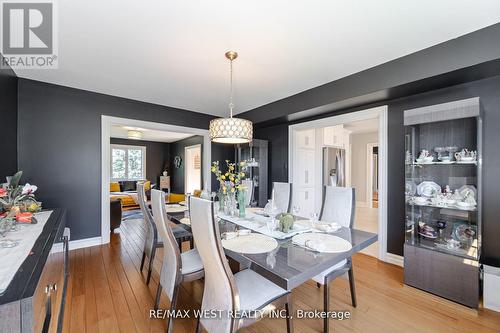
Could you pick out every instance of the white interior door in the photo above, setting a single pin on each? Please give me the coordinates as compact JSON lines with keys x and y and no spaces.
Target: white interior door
{"x":192,"y":169}
{"x":304,"y":171}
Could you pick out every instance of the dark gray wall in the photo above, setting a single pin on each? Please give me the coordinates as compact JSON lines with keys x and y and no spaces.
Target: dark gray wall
{"x":177,"y":174}
{"x":436,"y":67}
{"x":8,"y":121}
{"x":277,"y":137}
{"x":489,"y":92}
{"x":157,"y":155}
{"x":221,"y":152}
{"x":60,"y":145}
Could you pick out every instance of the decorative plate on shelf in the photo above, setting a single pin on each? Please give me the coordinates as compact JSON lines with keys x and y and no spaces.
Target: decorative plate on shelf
{"x":463,"y":232}
{"x":468,"y":189}
{"x":410,"y":187}
{"x":428,"y":189}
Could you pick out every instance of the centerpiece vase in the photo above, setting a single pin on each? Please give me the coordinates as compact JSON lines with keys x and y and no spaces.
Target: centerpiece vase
{"x":222,"y":200}
{"x":231,"y":204}
{"x":241,"y":203}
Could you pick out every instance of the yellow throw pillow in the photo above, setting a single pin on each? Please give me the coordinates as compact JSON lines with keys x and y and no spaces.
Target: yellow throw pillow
{"x":114,"y":187}
{"x":176,"y":198}
{"x":197,"y":193}
{"x":147,"y":185}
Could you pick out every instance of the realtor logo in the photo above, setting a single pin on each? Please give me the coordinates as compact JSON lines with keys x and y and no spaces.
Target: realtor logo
{"x":28,"y":35}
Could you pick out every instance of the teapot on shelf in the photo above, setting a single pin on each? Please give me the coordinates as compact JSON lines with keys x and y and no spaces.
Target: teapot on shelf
{"x":466,"y":155}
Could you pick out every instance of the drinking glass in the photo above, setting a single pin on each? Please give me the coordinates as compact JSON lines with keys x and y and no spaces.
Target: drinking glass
{"x":271,"y":224}
{"x":296,"y":210}
{"x":315,"y":218}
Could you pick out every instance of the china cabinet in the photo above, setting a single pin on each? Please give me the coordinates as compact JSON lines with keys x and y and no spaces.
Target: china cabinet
{"x":256,"y":155}
{"x":443,"y":199}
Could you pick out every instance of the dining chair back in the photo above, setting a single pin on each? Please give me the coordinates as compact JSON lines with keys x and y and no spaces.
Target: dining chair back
{"x":151,"y":236}
{"x":282,"y":196}
{"x":171,"y":265}
{"x":220,"y":287}
{"x":338,"y":205}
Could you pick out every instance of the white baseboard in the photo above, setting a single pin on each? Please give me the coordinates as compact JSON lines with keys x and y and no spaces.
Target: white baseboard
{"x":491,"y":280}
{"x":78,"y":244}
{"x":394,"y":259}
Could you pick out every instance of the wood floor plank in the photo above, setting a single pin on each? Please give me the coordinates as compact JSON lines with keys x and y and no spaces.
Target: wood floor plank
{"x":90,"y":302}
{"x":77,"y":272}
{"x":108,"y":285}
{"x":69,"y":297}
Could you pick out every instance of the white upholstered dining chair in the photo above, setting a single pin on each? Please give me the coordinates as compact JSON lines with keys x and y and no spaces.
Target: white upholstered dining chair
{"x":151,"y":239}
{"x":243,"y":291}
{"x":338,"y":206}
{"x":176,"y":267}
{"x":282,"y":196}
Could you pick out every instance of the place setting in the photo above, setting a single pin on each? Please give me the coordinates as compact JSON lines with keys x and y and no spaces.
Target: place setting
{"x":245,"y":241}
{"x":176,"y":208}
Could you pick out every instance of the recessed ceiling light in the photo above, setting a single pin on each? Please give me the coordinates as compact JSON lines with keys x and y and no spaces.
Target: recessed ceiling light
{"x":130,"y":128}
{"x":132,"y":134}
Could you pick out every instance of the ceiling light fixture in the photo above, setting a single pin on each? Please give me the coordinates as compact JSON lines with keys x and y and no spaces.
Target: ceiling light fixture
{"x":132,"y":134}
{"x":231,"y":130}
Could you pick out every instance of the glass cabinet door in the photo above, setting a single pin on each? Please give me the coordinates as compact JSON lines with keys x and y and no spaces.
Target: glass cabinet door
{"x":441,"y":186}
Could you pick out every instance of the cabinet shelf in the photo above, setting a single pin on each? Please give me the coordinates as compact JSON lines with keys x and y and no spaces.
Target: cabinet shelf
{"x":470,"y":252}
{"x":451,"y":207}
{"x":454,"y":163}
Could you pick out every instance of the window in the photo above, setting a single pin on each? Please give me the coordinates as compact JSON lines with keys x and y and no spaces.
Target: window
{"x":128,"y":162}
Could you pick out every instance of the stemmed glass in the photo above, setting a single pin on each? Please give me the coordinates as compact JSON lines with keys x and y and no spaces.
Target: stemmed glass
{"x":296,"y":210}
{"x":315,"y":218}
{"x":271,"y":223}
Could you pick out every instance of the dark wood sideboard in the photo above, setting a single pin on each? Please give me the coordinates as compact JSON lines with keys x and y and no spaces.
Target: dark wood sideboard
{"x":34,"y":300}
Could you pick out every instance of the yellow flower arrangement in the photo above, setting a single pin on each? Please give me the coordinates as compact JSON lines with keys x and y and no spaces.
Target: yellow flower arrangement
{"x":230,"y":180}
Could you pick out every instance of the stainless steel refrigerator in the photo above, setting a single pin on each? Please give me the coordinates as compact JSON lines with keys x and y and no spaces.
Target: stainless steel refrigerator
{"x":334,"y":166}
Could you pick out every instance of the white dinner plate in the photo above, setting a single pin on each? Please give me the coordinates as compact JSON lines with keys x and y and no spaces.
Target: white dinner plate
{"x":250,"y":244}
{"x":322,"y":242}
{"x":428,"y":189}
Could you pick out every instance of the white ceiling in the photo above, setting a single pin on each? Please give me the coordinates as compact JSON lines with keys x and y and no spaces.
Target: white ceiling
{"x":172,"y":52}
{"x":148,"y":134}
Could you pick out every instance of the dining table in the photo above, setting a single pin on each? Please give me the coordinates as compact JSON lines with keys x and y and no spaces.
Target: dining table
{"x":288,"y":265}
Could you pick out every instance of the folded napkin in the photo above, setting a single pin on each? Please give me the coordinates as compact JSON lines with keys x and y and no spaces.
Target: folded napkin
{"x":328,"y":227}
{"x":321,"y":242}
{"x":316,"y":246}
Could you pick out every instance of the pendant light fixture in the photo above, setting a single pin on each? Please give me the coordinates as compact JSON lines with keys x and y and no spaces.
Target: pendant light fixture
{"x":231,"y":130}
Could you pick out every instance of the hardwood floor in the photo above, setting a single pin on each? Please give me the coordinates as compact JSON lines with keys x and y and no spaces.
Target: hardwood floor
{"x":106,"y":293}
{"x":366,"y":219}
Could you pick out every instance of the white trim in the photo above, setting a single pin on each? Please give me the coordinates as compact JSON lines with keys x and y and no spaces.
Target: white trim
{"x":185,"y":164}
{"x":143,"y":161}
{"x":369,"y":173}
{"x":106,"y":123}
{"x":379,"y":113}
{"x":394,"y":259}
{"x":77,"y":244}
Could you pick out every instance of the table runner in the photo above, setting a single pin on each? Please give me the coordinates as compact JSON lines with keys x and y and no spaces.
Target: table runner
{"x":257,"y":223}
{"x":12,"y":258}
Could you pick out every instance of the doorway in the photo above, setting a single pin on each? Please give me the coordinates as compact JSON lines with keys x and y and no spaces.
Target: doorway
{"x":107,"y":123}
{"x":192,"y":172}
{"x":348,"y":134}
{"x":372,"y":175}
